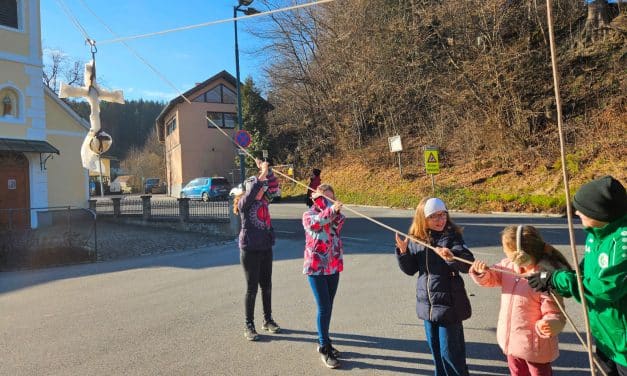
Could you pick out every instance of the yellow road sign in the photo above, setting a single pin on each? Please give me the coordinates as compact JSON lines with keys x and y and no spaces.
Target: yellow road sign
{"x":432,"y":161}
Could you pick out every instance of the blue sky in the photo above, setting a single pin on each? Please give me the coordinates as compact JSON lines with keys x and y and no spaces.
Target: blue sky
{"x":184,"y":57}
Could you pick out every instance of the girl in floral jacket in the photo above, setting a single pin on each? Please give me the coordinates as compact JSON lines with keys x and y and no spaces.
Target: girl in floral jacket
{"x":324,"y":262}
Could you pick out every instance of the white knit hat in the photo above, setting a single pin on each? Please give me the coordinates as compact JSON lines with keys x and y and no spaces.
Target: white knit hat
{"x":434,"y":205}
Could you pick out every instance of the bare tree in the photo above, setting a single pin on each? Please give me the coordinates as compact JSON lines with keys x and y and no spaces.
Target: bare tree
{"x":59,"y":67}
{"x":147,"y":161}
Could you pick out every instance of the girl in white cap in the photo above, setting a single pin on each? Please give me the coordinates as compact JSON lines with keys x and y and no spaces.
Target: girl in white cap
{"x":441,"y":299}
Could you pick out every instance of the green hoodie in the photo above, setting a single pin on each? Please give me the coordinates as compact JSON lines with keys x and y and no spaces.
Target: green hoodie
{"x":604,"y":273}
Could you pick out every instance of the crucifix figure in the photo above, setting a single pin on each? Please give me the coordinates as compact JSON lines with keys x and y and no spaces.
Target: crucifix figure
{"x":97,"y":141}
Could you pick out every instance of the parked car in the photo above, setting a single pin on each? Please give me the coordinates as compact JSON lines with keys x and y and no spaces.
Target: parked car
{"x":206,"y":189}
{"x":154,"y":185}
{"x":275,"y":197}
{"x":122,"y":184}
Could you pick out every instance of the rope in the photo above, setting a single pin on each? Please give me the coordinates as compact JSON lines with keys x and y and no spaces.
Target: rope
{"x":74,"y":20}
{"x":558,"y":104}
{"x":133,"y":51}
{"x":195,"y":26}
{"x":571,"y":234}
{"x":572,"y":324}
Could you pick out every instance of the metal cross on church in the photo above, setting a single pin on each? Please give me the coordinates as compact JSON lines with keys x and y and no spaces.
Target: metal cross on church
{"x":94,"y":142}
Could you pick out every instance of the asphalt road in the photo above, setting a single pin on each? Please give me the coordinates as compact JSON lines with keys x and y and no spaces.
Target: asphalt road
{"x":182,"y":313}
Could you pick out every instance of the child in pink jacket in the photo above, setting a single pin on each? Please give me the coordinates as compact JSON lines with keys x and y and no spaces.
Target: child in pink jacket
{"x":529,"y":322}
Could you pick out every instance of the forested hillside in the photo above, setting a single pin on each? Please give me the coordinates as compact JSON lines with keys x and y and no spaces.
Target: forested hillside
{"x":129,"y":124}
{"x":472,"y":78}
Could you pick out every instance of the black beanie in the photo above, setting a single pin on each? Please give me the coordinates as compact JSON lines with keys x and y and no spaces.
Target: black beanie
{"x":603,"y":199}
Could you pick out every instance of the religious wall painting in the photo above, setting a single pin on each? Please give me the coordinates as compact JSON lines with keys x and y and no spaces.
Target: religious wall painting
{"x":9,"y":103}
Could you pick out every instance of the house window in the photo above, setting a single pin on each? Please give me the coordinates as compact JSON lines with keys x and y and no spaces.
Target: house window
{"x":214,"y":95}
{"x":228,"y":95}
{"x":219,"y":94}
{"x":222,"y":119}
{"x":171,"y":126}
{"x":8,"y":13}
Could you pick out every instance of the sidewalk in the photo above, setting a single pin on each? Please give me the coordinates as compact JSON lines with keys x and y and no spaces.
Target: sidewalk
{"x":118,"y":241}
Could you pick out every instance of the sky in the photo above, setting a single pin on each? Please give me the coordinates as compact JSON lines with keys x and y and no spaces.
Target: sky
{"x":184,"y":58}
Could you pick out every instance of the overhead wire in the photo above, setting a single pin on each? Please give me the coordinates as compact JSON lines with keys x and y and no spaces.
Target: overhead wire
{"x":204,"y":24}
{"x":122,"y":40}
{"x":74,"y":20}
{"x":132,"y":50}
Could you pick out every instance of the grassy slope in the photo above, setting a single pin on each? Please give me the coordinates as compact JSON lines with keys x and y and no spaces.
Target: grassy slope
{"x":464,"y":187}
{"x":525,"y":181}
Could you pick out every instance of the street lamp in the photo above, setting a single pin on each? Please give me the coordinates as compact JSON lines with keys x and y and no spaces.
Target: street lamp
{"x":247,"y":11}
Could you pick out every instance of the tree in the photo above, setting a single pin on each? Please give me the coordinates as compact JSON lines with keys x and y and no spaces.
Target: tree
{"x":59,"y":67}
{"x":598,"y":22}
{"x":254,"y":111}
{"x":147,"y":161}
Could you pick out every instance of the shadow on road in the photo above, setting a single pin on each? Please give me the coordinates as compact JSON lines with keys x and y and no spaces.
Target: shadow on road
{"x":362,"y":237}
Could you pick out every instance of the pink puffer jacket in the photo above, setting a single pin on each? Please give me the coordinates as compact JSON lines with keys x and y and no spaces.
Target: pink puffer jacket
{"x":521,"y":308}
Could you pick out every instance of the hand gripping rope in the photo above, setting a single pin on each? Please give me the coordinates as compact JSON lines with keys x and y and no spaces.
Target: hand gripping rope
{"x":560,"y":131}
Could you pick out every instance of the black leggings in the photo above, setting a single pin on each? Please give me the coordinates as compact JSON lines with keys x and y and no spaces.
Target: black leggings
{"x":610,"y":367}
{"x":258,"y":271}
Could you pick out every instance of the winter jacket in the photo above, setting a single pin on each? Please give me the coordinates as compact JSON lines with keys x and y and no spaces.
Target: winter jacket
{"x":440,"y":292}
{"x":518,"y":332}
{"x":323,"y":247}
{"x":256,"y":233}
{"x":604,"y":276}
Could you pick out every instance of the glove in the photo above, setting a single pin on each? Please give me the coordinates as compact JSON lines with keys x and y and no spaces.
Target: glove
{"x":549,"y":328}
{"x":540,"y":281}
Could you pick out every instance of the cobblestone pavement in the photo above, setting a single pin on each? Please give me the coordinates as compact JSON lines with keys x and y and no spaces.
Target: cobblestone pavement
{"x":117,"y":240}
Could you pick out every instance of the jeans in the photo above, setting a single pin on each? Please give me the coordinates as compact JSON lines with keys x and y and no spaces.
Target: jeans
{"x":324,"y":288}
{"x":258,"y":271}
{"x":447,"y":347}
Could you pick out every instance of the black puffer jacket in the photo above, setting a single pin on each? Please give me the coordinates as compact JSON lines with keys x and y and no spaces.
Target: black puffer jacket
{"x":440,"y":293}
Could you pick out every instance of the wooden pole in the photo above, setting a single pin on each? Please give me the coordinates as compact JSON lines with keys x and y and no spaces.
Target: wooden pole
{"x":558,"y":104}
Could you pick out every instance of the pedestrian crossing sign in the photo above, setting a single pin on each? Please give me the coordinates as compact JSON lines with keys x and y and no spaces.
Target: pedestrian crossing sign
{"x":432,"y":161}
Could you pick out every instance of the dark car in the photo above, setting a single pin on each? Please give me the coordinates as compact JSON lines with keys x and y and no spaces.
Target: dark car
{"x":154,"y":185}
{"x":207,"y":189}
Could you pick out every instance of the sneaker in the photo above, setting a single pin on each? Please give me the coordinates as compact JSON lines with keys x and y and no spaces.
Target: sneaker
{"x":328,"y":358}
{"x":250,"y":333}
{"x":335,"y":351}
{"x":270,"y":326}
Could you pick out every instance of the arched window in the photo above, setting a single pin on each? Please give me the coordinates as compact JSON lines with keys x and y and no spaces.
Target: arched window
{"x":9,"y":103}
{"x":8,"y":13}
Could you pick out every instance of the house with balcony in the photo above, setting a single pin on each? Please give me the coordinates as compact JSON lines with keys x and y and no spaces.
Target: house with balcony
{"x":193,"y":145}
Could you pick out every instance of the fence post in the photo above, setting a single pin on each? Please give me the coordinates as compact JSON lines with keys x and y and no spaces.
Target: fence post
{"x":146,"y":208}
{"x":233,"y":218}
{"x":183,"y":208}
{"x":92,"y":204}
{"x":116,"y":206}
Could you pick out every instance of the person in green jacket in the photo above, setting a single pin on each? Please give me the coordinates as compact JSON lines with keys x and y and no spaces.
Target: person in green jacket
{"x":602,"y":206}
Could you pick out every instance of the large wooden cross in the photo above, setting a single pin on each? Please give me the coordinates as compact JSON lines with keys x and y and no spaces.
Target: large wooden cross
{"x":94,"y":94}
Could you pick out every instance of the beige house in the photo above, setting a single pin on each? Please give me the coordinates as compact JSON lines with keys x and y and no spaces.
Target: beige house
{"x":40,"y":136}
{"x":193,"y":146}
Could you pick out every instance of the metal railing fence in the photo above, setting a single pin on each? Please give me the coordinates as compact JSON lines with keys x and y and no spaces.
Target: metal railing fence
{"x":47,"y":236}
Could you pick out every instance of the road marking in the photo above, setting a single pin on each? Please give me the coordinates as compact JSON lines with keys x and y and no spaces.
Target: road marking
{"x":285,"y":232}
{"x":358,"y":239}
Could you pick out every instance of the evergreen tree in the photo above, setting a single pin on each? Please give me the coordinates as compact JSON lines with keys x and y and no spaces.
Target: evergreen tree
{"x":254,"y":110}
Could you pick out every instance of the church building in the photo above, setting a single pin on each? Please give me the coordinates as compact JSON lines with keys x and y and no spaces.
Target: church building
{"x":40,"y":135}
